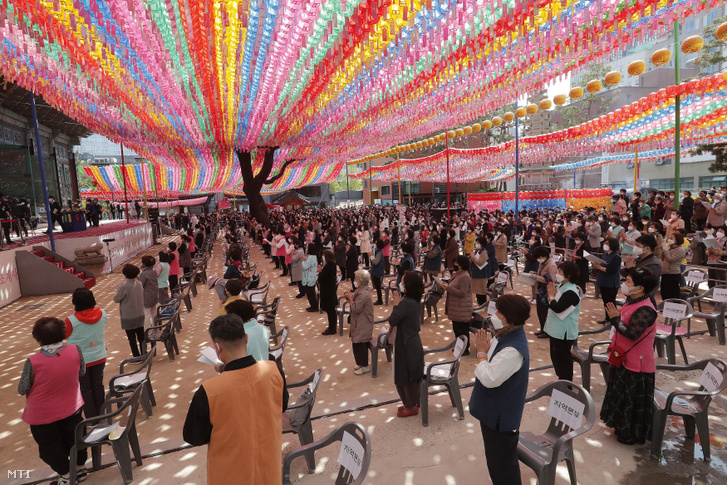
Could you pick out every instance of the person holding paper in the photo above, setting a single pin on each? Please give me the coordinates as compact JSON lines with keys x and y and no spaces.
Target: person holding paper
{"x":459,"y":299}
{"x":628,"y":403}
{"x":715,"y":254}
{"x":562,"y":323}
{"x":237,"y":413}
{"x":718,"y":211}
{"x":579,"y":258}
{"x":608,"y":278}
{"x":675,"y":223}
{"x":501,"y":385}
{"x":433,"y":258}
{"x":645,"y":259}
{"x":481,"y":271}
{"x":672,"y":255}
{"x":545,"y":276}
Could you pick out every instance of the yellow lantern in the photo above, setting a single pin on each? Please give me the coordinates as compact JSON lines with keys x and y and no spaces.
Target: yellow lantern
{"x":545,"y":104}
{"x":559,"y":99}
{"x":451,"y":134}
{"x":594,"y":86}
{"x":661,"y":57}
{"x":467,"y":130}
{"x":636,"y":68}
{"x":521,"y":112}
{"x":432,"y":141}
{"x":721,"y":32}
{"x":476,"y":128}
{"x":612,"y":78}
{"x":458,"y":132}
{"x":487,"y":124}
{"x":531,"y":109}
{"x":508,"y":117}
{"x":576,"y":93}
{"x":692,"y":44}
{"x":496,"y":121}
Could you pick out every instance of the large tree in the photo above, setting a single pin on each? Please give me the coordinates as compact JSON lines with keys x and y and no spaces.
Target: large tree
{"x":590,"y":105}
{"x":253,"y":183}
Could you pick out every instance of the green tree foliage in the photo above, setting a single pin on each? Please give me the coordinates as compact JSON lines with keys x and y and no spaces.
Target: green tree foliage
{"x":712,"y":54}
{"x":339,"y":184}
{"x":719,"y":150}
{"x":580,"y":111}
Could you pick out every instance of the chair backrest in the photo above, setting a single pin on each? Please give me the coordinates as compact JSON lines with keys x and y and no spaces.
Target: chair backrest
{"x":571,"y":409}
{"x":459,"y":347}
{"x":169,"y":309}
{"x":303,"y":408}
{"x":675,"y":311}
{"x":121,"y":383}
{"x":711,"y":383}
{"x":693,"y":278}
{"x":354,"y":455}
{"x":278,"y":350}
{"x":126,"y":413}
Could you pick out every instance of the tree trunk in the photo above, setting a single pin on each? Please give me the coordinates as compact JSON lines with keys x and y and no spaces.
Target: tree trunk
{"x":253,"y":184}
{"x":258,"y":208}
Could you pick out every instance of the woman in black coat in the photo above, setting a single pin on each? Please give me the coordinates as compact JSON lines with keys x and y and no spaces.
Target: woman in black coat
{"x":408,"y":349}
{"x":327,"y":283}
{"x":351,"y":260}
{"x":340,"y":251}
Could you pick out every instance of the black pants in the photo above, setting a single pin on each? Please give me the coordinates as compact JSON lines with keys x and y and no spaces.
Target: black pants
{"x":134,"y":335}
{"x":277,"y":261}
{"x":387,"y":265}
{"x":409,"y":394}
{"x":670,"y":286}
{"x":481,"y":299}
{"x":301,"y":288}
{"x":285,"y":267}
{"x":700,"y":224}
{"x":561,"y":358}
{"x":542,"y":311}
{"x":310,"y":292}
{"x":501,"y":455}
{"x":377,"y":285}
{"x":332,"y":319}
{"x":342,"y":267}
{"x":55,"y":441}
{"x":92,"y":390}
{"x":361,"y":353}
{"x":173,"y":281}
{"x":608,"y":295}
{"x":365,"y":259}
{"x":687,"y":222}
{"x":462,"y":328}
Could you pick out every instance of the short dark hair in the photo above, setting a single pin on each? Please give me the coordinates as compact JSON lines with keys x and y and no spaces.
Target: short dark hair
{"x":515,"y":308}
{"x":49,"y":330}
{"x":83,"y":299}
{"x":233,"y":286}
{"x":483,"y":240}
{"x":329,"y":256}
{"x":241,"y":308}
{"x":579,"y":235}
{"x":678,"y":238}
{"x":148,"y":261}
{"x":570,"y":271}
{"x":647,"y":240}
{"x":413,"y":285}
{"x":380,"y":244}
{"x":130,"y":271}
{"x":172,"y":246}
{"x":463,"y":262}
{"x":643,"y":277}
{"x":613,"y":244}
{"x":541,"y":252}
{"x":227,"y":328}
{"x":408,"y":247}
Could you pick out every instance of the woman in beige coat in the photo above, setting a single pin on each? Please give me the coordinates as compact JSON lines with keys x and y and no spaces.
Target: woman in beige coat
{"x":362,"y":321}
{"x":500,"y":247}
{"x":459,"y":299}
{"x":672,"y":255}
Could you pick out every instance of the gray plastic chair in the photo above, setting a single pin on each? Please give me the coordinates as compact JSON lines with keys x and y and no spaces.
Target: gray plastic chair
{"x":297,"y":419}
{"x":692,"y":406}
{"x":714,"y":319}
{"x":445,"y":373}
{"x":259,"y":296}
{"x":542,"y":453}
{"x":164,"y":330}
{"x":586,"y":358}
{"x":279,"y":348}
{"x":389,"y":287}
{"x":345,"y":476}
{"x":128,"y":438}
{"x":128,"y":380}
{"x":690,"y":289}
{"x":265,"y":315}
{"x":342,"y":310}
{"x":671,"y":331}
{"x":381,"y":343}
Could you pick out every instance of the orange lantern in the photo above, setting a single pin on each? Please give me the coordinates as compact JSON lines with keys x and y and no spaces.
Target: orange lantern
{"x":496,"y":121}
{"x":487,"y":124}
{"x":594,"y":86}
{"x":508,"y":117}
{"x":476,"y":128}
{"x":721,"y":32}
{"x":636,"y":68}
{"x":576,"y":93}
{"x":545,"y":104}
{"x":531,"y":109}
{"x":458,"y":132}
{"x":521,"y":112}
{"x":467,"y":130}
{"x":692,"y":44}
{"x":451,"y":134}
{"x":661,"y":57}
{"x":559,"y":99}
{"x":612,"y":78}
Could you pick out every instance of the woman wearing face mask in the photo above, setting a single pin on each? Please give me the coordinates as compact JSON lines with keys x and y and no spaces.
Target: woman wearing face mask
{"x":675,"y":223}
{"x":459,"y":299}
{"x":562,"y":323}
{"x":531,"y":262}
{"x":671,"y":257}
{"x":717,"y":254}
{"x":340,"y":252}
{"x":406,"y":263}
{"x":579,"y":237}
{"x":545,"y":277}
{"x":668,"y":205}
{"x":433,"y":258}
{"x":701,"y":210}
{"x":628,"y":403}
{"x":655,"y":229}
{"x":614,"y":228}
{"x":481,"y":271}
{"x":628,"y":239}
{"x":327,"y":285}
{"x":469,"y":241}
{"x":608,"y":278}
{"x":501,"y":385}
{"x":408,"y":349}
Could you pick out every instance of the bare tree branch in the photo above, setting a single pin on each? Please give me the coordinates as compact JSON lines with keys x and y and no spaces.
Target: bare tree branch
{"x":281,"y":171}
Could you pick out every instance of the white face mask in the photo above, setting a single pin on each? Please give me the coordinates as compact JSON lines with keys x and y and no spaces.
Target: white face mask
{"x":606,"y":247}
{"x":626,"y":289}
{"x":637,"y":251}
{"x":401,"y":287}
{"x":541,"y":260}
{"x":496,"y":322}
{"x":720,"y":234}
{"x":631,"y":228}
{"x":613,"y":224}
{"x":651,"y":230}
{"x":600,"y":219}
{"x":671,"y":241}
{"x":559,"y":278}
{"x":531,"y":243}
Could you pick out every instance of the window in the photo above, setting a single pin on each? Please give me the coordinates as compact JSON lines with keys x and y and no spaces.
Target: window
{"x":685,"y":183}
{"x":664,"y":161}
{"x":385,"y":190}
{"x":709,"y":181}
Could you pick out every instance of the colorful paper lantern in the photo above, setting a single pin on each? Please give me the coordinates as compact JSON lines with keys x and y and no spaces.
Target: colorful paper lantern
{"x":661,"y":57}
{"x":612,"y":78}
{"x":721,"y":32}
{"x":545,"y":104}
{"x":521,"y":112}
{"x":476,"y":128}
{"x":508,"y":117}
{"x":487,"y":124}
{"x":451,"y":134}
{"x":594,"y":86}
{"x":576,"y":93}
{"x":467,"y":130}
{"x":636,"y":68}
{"x":692,"y":44}
{"x":496,"y":121}
{"x":559,"y":99}
{"x":531,"y":109}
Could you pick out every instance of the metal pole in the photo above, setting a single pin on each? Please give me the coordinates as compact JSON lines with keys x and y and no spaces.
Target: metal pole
{"x":446,"y":138}
{"x":574,"y":179}
{"x":48,"y":213}
{"x":156,"y":188}
{"x":143,"y":188}
{"x":677,"y":118}
{"x":636,"y":173}
{"x":123,"y":174}
{"x":398,"y":170}
{"x":517,"y":171}
{"x":371,"y":183}
{"x":348,"y":192}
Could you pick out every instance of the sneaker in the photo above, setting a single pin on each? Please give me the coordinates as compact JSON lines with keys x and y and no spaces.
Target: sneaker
{"x":356,"y":367}
{"x":61,"y":480}
{"x":378,"y":302}
{"x":532,"y":302}
{"x":311,"y":310}
{"x":328,"y":332}
{"x":81,"y":474}
{"x":302,"y":295}
{"x":362,"y":370}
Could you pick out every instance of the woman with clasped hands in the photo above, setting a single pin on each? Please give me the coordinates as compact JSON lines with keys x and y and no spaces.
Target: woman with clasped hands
{"x":501,"y":385}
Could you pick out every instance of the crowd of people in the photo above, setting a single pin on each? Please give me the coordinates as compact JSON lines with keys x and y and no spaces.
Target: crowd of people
{"x":643,"y":245}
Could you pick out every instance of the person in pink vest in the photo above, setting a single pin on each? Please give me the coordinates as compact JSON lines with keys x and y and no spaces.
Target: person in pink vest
{"x":53,"y":402}
{"x":173,"y":266}
{"x":627,"y":405}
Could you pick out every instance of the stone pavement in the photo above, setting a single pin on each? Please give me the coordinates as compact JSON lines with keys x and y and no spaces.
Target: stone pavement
{"x":448,"y":451}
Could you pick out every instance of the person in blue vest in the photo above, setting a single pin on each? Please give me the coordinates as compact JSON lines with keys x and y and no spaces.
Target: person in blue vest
{"x":501,"y":385}
{"x":494,"y":263}
{"x":480,"y":264}
{"x":433,"y":259}
{"x":86,"y":328}
{"x":561,"y":324}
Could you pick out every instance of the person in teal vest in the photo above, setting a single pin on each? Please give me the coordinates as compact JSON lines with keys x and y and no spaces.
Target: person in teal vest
{"x":561,"y":324}
{"x":86,"y":328}
{"x":501,"y":385}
